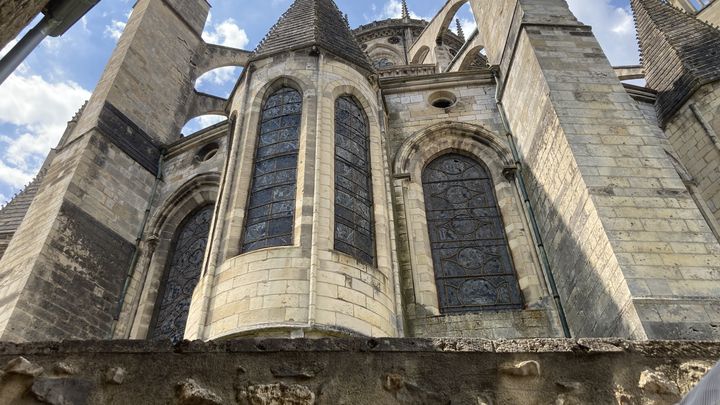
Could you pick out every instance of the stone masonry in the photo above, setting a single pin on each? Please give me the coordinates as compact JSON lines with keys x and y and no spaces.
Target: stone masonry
{"x":355,"y":371}
{"x":592,"y":210}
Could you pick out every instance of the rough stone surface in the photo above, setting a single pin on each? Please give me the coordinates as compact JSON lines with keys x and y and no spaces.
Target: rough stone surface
{"x":276,"y":394}
{"x":63,"y":391}
{"x":524,"y":369}
{"x":191,"y":393}
{"x":690,"y":374}
{"x":656,"y":382}
{"x":388,"y":371}
{"x":115,"y":375}
{"x":15,"y":15}
{"x":22,"y":366}
{"x":622,"y":214}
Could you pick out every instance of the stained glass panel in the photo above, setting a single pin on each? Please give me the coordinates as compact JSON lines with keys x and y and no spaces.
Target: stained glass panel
{"x":182,"y":276}
{"x":271,"y":208}
{"x":354,"y":230}
{"x":473,"y":269}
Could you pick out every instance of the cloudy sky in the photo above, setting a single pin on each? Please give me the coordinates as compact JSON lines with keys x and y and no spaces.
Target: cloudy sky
{"x":37,"y":100}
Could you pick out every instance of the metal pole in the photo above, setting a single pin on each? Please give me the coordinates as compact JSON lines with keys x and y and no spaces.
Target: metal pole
{"x":22,"y":49}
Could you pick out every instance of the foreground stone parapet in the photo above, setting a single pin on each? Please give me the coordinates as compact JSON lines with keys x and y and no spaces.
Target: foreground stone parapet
{"x":361,"y":371}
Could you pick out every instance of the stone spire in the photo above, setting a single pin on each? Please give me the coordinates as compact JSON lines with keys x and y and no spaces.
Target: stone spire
{"x":460,"y":32}
{"x":313,"y":23}
{"x":405,"y":11}
{"x":679,"y":53}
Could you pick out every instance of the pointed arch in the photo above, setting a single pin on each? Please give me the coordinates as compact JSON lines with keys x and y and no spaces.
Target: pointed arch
{"x":270,"y":213}
{"x":481,"y":145}
{"x":463,"y":134}
{"x":198,"y":192}
{"x":419,"y":56}
{"x":182,"y":274}
{"x":471,"y":257}
{"x":354,"y":219}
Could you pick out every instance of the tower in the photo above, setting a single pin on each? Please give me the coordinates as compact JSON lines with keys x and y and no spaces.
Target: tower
{"x":315,"y":148}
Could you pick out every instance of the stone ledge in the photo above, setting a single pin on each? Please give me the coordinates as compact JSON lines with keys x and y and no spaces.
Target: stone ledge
{"x":380,"y":345}
{"x":354,"y":371}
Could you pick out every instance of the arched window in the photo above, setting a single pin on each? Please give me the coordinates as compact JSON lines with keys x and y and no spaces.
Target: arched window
{"x":181,"y":276}
{"x":271,"y":207}
{"x":354,"y":228}
{"x":473,"y":268}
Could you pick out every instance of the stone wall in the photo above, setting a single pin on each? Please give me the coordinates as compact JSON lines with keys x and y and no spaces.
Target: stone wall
{"x":15,"y":15}
{"x":711,"y":13}
{"x":354,"y":371}
{"x":693,"y":135}
{"x":417,"y":133}
{"x":189,"y":182}
{"x":159,"y":36}
{"x":616,"y":218}
{"x":80,"y":238}
{"x":64,"y":269}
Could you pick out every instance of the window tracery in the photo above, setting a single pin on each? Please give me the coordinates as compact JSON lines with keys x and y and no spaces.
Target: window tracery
{"x":181,"y":276}
{"x":271,"y":207}
{"x":354,"y":228}
{"x":471,"y":258}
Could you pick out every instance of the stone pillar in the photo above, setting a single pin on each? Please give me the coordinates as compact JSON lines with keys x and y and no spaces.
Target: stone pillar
{"x":64,"y":270}
{"x":630,"y":249}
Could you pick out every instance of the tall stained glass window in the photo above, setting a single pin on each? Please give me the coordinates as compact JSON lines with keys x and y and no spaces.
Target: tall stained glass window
{"x":354,"y":230}
{"x":181,"y":276}
{"x":271,"y":207}
{"x":473,"y":268}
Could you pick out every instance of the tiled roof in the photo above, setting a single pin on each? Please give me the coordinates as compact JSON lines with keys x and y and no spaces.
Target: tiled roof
{"x":680,"y":53}
{"x":313,"y":23}
{"x":13,"y":213}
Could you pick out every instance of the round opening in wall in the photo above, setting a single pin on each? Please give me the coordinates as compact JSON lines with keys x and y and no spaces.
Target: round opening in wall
{"x":442,"y":99}
{"x":207,"y":152}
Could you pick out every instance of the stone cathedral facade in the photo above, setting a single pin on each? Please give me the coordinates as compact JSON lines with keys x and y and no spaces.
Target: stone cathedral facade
{"x":391,"y":180}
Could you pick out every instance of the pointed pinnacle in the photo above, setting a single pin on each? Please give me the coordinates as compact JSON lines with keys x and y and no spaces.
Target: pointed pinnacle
{"x":460,"y":32}
{"x":405,"y":11}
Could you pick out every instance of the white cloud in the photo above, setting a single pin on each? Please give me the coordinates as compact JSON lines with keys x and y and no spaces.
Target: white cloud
{"x":3,"y":200}
{"x":393,"y":9}
{"x":613,"y":26}
{"x":227,"y":33}
{"x":468,"y":26}
{"x":115,"y":29}
{"x":201,"y":122}
{"x":39,"y":111}
{"x":218,"y":76}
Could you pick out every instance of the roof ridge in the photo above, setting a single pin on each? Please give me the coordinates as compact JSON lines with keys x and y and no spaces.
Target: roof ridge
{"x":12,"y":213}
{"x":678,"y":50}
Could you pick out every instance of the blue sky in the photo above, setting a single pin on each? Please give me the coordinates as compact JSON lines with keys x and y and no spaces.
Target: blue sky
{"x":37,"y":100}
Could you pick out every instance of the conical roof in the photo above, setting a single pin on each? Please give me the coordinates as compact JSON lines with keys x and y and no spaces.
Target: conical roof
{"x":680,"y":53}
{"x":313,"y":23}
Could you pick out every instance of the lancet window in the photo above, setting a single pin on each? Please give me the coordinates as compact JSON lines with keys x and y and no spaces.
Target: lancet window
{"x":471,"y":258}
{"x":354,"y":229}
{"x":181,"y":276}
{"x":271,"y":208}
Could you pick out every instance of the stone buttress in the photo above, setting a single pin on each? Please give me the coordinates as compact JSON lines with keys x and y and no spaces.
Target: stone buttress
{"x":65,"y":267}
{"x":631,"y":251}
